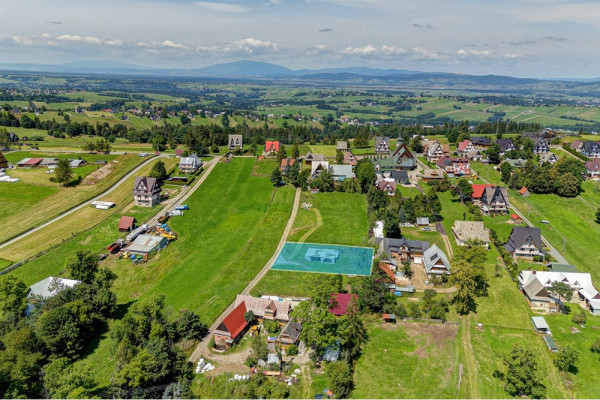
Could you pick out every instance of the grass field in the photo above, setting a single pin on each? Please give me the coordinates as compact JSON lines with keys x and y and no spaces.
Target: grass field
{"x":35,"y":199}
{"x":225,"y":238}
{"x":78,"y":221}
{"x":334,"y":218}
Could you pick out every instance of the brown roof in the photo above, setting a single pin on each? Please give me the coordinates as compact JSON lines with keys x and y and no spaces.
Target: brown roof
{"x":523,"y":190}
{"x":258,"y":306}
{"x":126,"y":223}
{"x":3,"y":162}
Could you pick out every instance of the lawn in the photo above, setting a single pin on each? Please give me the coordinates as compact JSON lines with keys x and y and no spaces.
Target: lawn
{"x":80,"y":220}
{"x":226,"y":237}
{"x":264,"y":167}
{"x":408,"y":360}
{"x":36,"y":200}
{"x":334,"y":218}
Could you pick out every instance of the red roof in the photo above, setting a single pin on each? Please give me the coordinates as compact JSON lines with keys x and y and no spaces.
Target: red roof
{"x":342,"y":300}
{"x":179,"y":152}
{"x":34,"y":161}
{"x":271,"y":145}
{"x":478,"y":190}
{"x":462,"y":146}
{"x":287,"y":162}
{"x":523,"y":190}
{"x":514,"y":216}
{"x":388,"y":271}
{"x":126,"y":223}
{"x":235,"y":321}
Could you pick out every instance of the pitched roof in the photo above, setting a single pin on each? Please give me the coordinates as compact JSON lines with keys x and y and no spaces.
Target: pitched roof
{"x":235,"y":322}
{"x":341,"y":302}
{"x":478,"y":190}
{"x":490,"y":192}
{"x":259,"y":305}
{"x":344,"y":171}
{"x":272,"y":145}
{"x":523,"y":190}
{"x":462,"y":146}
{"x":591,"y":165}
{"x":3,"y":162}
{"x":383,"y":185}
{"x":191,"y":160}
{"x":287,"y":162}
{"x":44,"y":287}
{"x":310,"y":156}
{"x":481,"y":140}
{"x":434,"y":254}
{"x":126,"y":222}
{"x":505,"y":144}
{"x":144,"y":184}
{"x":520,"y":234}
{"x":391,"y":245}
{"x":536,"y":291}
{"x":342,"y":145}
{"x":540,"y":323}
{"x":292,"y":329}
{"x":514,"y":217}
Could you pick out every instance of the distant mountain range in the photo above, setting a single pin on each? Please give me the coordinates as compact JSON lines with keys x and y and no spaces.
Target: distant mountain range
{"x":260,"y":70}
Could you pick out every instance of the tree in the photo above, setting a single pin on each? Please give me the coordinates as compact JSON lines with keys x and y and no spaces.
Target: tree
{"x":20,"y":364}
{"x":377,"y":199}
{"x":65,"y":329}
{"x":339,"y":157}
{"x":83,"y":266}
{"x":595,"y":347}
{"x":365,"y":174}
{"x":159,"y":172}
{"x":295,"y":151}
{"x":63,"y":172}
{"x":566,"y":359}
{"x":464,"y":278}
{"x":562,"y":289}
{"x":64,"y":380}
{"x":579,"y":318}
{"x":320,"y":328}
{"x":428,"y":300}
{"x":598,"y":215}
{"x":13,"y":294}
{"x":340,"y":376}
{"x":523,"y":377}
{"x":505,"y":170}
{"x":567,"y":185}
{"x":416,"y":144}
{"x":462,"y":189}
{"x":281,"y":154}
{"x":493,"y":153}
{"x":184,"y":119}
{"x":276,"y":176}
{"x":189,"y":325}
{"x":407,"y":269}
{"x":324,"y":182}
{"x":372,"y":295}
{"x":357,"y":332}
{"x":391,"y":228}
{"x":159,"y":143}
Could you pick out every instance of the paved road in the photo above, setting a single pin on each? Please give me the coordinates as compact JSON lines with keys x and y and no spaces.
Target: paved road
{"x":202,"y":347}
{"x":553,"y":252}
{"x":80,"y":206}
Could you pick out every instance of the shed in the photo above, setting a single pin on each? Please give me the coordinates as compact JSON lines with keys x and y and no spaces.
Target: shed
{"x":77,"y":163}
{"x":540,"y":325}
{"x":332,"y":353}
{"x":422,"y":221}
{"x":550,"y":343}
{"x":391,"y":318}
{"x":524,"y":192}
{"x":339,"y":303}
{"x":515,"y":219}
{"x":127,"y":224}
{"x":405,"y":289}
{"x":272,"y":359}
{"x":145,"y":244}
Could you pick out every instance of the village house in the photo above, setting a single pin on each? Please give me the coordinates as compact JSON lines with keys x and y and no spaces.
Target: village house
{"x":464,"y":148}
{"x":533,"y":283}
{"x":290,"y":334}
{"x":127,"y":224}
{"x":549,"y":158}
{"x":317,"y":167}
{"x":404,"y":249}
{"x":338,"y":304}
{"x":525,"y":241}
{"x":593,"y":168}
{"x":29,"y":163}
{"x":436,"y":262}
{"x":383,"y":164}
{"x":577,"y":145}
{"x":403,"y":158}
{"x":388,"y":187}
{"x":189,"y":165}
{"x":481,"y":141}
{"x":478,"y":192}
{"x":516,"y":163}
{"x":47,"y":288}
{"x":232,"y":328}
{"x":341,"y":145}
{"x":271,"y":147}
{"x":540,"y":147}
{"x":265,"y":309}
{"x":339,"y":173}
{"x":471,"y":232}
{"x":455,"y":166}
{"x":236,"y":142}
{"x":146,"y":191}
{"x":349,"y":158}
{"x":474,"y":155}
{"x":435,"y":151}
{"x":313,"y":157}
{"x":494,"y":200}
{"x":590,"y":149}
{"x":400,"y":177}
{"x":506,"y":145}
{"x":144,"y":245}
{"x":286,"y":163}
{"x":382,"y":145}
{"x":430,"y":175}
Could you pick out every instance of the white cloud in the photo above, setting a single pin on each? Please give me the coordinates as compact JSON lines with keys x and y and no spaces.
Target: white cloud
{"x":370,"y":50}
{"x":512,"y":55}
{"x":77,"y":38}
{"x":169,"y":43}
{"x":420,"y":52}
{"x":250,"y":44}
{"x":473,"y":53}
{"x":243,"y":46}
{"x":221,"y":7}
{"x":22,"y":40}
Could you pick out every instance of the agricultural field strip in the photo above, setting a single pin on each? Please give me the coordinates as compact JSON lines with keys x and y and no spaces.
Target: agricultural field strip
{"x":78,"y":207}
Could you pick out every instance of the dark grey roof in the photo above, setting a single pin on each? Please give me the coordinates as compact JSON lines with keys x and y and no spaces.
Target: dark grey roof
{"x":520,"y":234}
{"x":145,"y":185}
{"x":292,"y":329}
{"x":391,"y":245}
{"x":492,"y":191}
{"x":590,"y":147}
{"x":505,"y":144}
{"x":481,"y":140}
{"x":536,"y":291}
{"x":12,"y":137}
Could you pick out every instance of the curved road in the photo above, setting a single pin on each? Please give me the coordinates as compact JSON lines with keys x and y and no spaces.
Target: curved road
{"x":202,"y":347}
{"x":80,"y":206}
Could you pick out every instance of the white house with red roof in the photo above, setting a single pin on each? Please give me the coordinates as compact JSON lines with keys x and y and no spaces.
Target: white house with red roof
{"x":464,"y":148}
{"x":272,"y":147}
{"x":593,"y":168}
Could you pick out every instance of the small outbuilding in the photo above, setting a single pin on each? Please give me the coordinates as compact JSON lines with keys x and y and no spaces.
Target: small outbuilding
{"x":515,"y":219}
{"x":127,"y":224}
{"x":422,"y":221}
{"x":389,"y":318}
{"x":550,"y":343}
{"x":524,"y":192}
{"x":540,"y":325}
{"x":146,"y":244}
{"x":339,"y":303}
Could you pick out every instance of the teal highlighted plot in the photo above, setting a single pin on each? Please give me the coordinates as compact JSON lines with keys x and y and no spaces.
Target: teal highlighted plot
{"x":324,"y":258}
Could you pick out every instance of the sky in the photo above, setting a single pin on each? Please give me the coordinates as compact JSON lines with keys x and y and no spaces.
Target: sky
{"x":523,"y":38}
